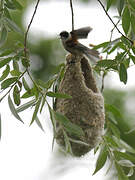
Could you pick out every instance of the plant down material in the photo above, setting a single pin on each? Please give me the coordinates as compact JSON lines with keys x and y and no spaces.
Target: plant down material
{"x":85,"y":109}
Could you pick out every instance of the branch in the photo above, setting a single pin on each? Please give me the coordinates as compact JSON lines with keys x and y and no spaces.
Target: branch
{"x":72,"y":12}
{"x":28,"y":28}
{"x":113,"y":22}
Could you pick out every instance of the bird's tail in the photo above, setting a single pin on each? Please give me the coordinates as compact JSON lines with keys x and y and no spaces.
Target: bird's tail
{"x":92,"y":54}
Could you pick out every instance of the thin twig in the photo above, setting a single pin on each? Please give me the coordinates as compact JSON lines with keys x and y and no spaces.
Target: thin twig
{"x":72,"y":12}
{"x":28,"y":28}
{"x":114,"y":23}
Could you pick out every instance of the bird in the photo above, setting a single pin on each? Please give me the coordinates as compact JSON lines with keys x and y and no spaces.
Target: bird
{"x":72,"y":45}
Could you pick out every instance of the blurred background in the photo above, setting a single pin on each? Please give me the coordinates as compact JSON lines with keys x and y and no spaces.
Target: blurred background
{"x":26,"y":152}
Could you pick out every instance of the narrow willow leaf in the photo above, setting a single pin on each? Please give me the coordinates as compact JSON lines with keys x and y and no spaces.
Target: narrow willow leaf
{"x":133,"y":22}
{"x":106,"y":63}
{"x":5,"y":61}
{"x":15,"y":73}
{"x":39,"y":123}
{"x":67,"y":143}
{"x":4,"y":34}
{"x":109,"y":3}
{"x":102,"y":45}
{"x":10,"y":5}
{"x":47,"y":84}
{"x":114,"y":129}
{"x":16,"y":95}
{"x":17,"y":5}
{"x":120,"y":6}
{"x":7,"y":13}
{"x":133,"y":58}
{"x":35,"y":111}
{"x":126,"y":19}
{"x":101,"y":159}
{"x":25,"y":106}
{"x":124,"y":155}
{"x":131,"y":172}
{"x":15,"y":65}
{"x":6,"y":83}
{"x":120,"y":172}
{"x":124,"y":145}
{"x":43,"y":103}
{"x":113,"y":110}
{"x":78,"y":142}
{"x":58,"y":95}
{"x":111,"y":142}
{"x":28,"y":94}
{"x":0,"y":127}
{"x":52,"y":119}
{"x":70,"y":127}
{"x":123,"y":73}
{"x":5,"y":73}
{"x":25,"y":84}
{"x":126,"y":163}
{"x":13,"y":110}
{"x":13,"y":26}
{"x":132,"y":3}
{"x":6,"y":52}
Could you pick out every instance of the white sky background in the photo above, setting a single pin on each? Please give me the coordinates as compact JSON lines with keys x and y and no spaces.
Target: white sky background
{"x":25,"y":152}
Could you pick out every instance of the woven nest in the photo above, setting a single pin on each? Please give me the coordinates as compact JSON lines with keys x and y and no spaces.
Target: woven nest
{"x":85,"y":108}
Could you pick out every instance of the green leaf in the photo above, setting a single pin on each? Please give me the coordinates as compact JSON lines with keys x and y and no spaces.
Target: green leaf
{"x":101,"y":159}
{"x":109,"y":3}
{"x":124,"y":155}
{"x":6,"y":83}
{"x":106,"y":63}
{"x":28,"y":94}
{"x":25,"y":62}
{"x":133,"y":58}
{"x":121,"y":174}
{"x":4,"y":34}
{"x":47,"y":84}
{"x":114,"y":129}
{"x":113,"y":110}
{"x":67,"y":143}
{"x":35,"y":111}
{"x":10,"y":5}
{"x":5,"y":73}
{"x":123,"y":145}
{"x":15,"y":73}
{"x":6,"y":52}
{"x":123,"y":73}
{"x":133,"y":22}
{"x":15,"y":65}
{"x":132,"y":3}
{"x":58,"y":95}
{"x":102,"y":45}
{"x":5,"y":61}
{"x":16,"y":95}
{"x":126,"y":19}
{"x":39,"y":123}
{"x":13,"y":110}
{"x":0,"y":127}
{"x":110,"y":141}
{"x":26,"y":106}
{"x":25,"y":84}
{"x":70,"y":127}
{"x":120,"y":6}
{"x":17,"y":5}
{"x":13,"y":26}
{"x":6,"y":13}
{"x":126,"y":163}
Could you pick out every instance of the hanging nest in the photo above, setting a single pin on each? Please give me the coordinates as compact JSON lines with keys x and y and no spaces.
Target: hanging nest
{"x":85,"y":108}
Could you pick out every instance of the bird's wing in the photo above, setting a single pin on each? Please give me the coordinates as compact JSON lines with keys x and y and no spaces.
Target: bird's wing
{"x":81,"y":33}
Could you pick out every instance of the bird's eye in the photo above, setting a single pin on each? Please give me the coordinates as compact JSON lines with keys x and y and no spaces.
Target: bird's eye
{"x":64,"y":34}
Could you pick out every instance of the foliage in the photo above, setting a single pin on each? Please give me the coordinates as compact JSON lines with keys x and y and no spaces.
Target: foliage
{"x":15,"y":65}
